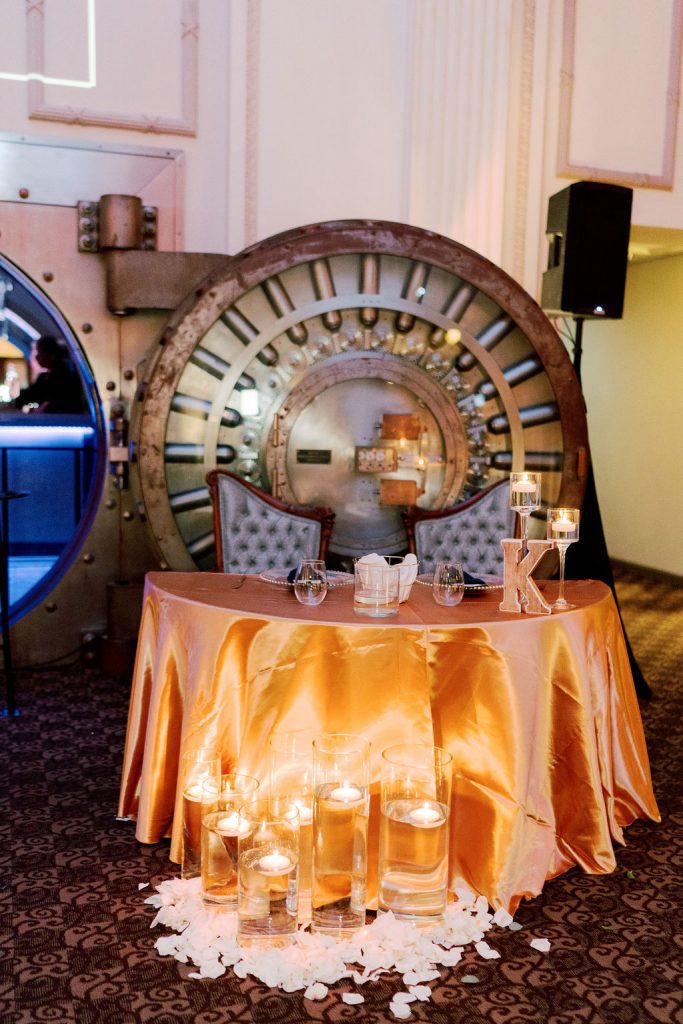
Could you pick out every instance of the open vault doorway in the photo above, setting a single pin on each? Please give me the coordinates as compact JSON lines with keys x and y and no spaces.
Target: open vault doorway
{"x":59,"y":458}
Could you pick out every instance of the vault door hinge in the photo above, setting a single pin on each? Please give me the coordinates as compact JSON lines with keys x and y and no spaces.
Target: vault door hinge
{"x":116,"y":222}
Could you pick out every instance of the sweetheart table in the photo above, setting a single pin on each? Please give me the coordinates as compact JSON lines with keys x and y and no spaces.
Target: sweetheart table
{"x":539,"y":712}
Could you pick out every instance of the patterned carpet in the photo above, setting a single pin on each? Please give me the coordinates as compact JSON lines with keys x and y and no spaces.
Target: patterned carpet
{"x":76,"y":943}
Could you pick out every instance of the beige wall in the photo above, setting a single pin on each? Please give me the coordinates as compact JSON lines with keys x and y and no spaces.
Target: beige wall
{"x":632,"y":373}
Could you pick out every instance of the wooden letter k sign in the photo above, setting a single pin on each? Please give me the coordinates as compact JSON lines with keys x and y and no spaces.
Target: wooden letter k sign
{"x":517,"y":577}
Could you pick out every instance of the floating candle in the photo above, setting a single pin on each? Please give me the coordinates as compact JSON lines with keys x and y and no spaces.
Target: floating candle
{"x":525,"y":486}
{"x":305,"y":814}
{"x":275,"y":863}
{"x":302,"y":812}
{"x":562,"y":526}
{"x":232,"y":825}
{"x":194,"y":792}
{"x":425,"y":816}
{"x":346,"y":794}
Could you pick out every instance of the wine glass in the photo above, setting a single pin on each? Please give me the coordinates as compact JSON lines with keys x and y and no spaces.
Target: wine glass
{"x":563,"y":530}
{"x":448,"y":585}
{"x":525,"y":497}
{"x":310,"y":581}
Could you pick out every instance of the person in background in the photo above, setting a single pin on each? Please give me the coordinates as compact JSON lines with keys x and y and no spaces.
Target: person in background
{"x":58,"y":388}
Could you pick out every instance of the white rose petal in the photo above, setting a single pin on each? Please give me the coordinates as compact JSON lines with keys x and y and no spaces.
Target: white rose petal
{"x":352,"y":998}
{"x":400,"y":1010}
{"x":312,"y":962}
{"x":450,"y":959}
{"x":415,"y":977}
{"x":212,"y":970}
{"x":483,"y":949}
{"x":542,"y":945}
{"x":143,"y":885}
{"x":316,"y":991}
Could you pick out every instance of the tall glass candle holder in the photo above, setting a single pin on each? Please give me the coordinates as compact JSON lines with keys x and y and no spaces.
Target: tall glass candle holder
{"x":268,"y":873}
{"x":197,"y":767}
{"x":341,"y":807}
{"x":525,"y":498}
{"x":413,"y":836}
{"x":291,"y":776}
{"x":220,"y":832}
{"x":563,"y":530}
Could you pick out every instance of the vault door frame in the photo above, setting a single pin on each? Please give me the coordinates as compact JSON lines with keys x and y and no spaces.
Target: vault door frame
{"x":39,"y":233}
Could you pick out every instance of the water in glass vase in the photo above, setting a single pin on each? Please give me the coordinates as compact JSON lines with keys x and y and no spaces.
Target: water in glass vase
{"x":305,"y":864}
{"x":413,"y":859}
{"x":192,"y":830}
{"x":268,"y":897}
{"x":340,"y":828}
{"x":220,"y":833}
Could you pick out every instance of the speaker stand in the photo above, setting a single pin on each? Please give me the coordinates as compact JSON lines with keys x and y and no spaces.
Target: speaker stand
{"x":589,"y":558}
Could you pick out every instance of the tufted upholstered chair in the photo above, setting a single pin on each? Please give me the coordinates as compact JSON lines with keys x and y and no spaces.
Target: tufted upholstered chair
{"x":256,"y":531}
{"x":469,"y":532}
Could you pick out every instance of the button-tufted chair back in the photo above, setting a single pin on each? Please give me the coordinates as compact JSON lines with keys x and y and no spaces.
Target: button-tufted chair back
{"x":255,"y":531}
{"x":469,"y":532}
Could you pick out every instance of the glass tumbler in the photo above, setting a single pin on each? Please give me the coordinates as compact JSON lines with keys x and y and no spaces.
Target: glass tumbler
{"x":413,"y":836}
{"x":376,"y":589}
{"x":448,"y":585}
{"x":310,"y":581}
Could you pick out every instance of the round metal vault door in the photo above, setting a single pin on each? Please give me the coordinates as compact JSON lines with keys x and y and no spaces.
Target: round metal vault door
{"x":358,"y":364}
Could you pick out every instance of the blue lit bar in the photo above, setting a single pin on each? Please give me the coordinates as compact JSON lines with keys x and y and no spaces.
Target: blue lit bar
{"x":54,"y":458}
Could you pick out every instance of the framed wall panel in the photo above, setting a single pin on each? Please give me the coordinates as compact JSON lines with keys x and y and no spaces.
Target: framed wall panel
{"x":619,"y":105}
{"x":84,"y":113}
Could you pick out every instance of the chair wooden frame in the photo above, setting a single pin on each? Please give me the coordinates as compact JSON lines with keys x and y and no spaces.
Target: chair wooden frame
{"x":319,"y":513}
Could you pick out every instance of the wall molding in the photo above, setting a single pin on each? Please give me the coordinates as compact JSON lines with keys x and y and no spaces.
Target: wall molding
{"x":565,"y":167}
{"x":251,"y":128}
{"x":186,"y":124}
{"x":521,"y":112}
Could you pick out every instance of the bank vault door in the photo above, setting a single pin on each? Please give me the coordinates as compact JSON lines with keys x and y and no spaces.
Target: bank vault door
{"x":361,"y":365}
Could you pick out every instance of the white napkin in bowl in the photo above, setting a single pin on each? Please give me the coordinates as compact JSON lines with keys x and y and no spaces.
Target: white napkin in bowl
{"x":407,"y":571}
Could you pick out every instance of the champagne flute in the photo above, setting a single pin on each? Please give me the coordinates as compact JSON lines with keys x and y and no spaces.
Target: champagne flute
{"x":525,"y":498}
{"x":563,"y":530}
{"x":310,"y":581}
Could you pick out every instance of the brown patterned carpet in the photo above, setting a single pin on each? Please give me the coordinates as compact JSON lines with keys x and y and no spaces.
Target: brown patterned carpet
{"x":76,"y":944}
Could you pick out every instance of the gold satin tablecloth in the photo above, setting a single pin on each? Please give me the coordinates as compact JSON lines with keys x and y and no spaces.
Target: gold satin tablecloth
{"x":539,"y":712}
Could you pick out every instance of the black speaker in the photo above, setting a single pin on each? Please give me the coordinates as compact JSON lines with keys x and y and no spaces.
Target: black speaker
{"x":588,"y":229}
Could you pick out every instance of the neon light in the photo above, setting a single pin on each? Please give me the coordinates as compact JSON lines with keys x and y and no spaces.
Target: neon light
{"x":19,"y":321}
{"x":39,"y":436}
{"x":36,"y":76}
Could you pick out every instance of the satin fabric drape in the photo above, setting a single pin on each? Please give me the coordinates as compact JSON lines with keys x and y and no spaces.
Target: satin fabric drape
{"x":539,"y":712}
